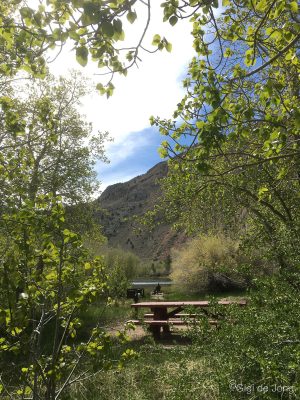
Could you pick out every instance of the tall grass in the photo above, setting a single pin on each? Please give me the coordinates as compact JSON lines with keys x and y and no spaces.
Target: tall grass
{"x":158,"y":373}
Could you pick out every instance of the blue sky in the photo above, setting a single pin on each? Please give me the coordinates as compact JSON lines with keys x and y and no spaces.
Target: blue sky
{"x":132,"y":158}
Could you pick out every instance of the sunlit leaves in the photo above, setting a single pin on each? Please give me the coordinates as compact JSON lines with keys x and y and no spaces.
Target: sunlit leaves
{"x":91,"y":27}
{"x":294,"y":6}
{"x":249,"y":58}
{"x":228,"y":52}
{"x":262,"y":192}
{"x":241,"y":87}
{"x":168,"y":46}
{"x":161,"y":43}
{"x":156,"y":40}
{"x":107,"y":90}
{"x":58,"y":277}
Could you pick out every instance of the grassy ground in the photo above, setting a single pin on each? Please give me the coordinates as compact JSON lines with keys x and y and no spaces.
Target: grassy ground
{"x":159,"y":372}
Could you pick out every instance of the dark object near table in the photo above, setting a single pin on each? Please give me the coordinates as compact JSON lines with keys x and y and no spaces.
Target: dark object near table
{"x":135,"y":294}
{"x":157,"y":289}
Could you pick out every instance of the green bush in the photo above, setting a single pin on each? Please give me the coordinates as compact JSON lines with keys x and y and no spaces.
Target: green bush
{"x":209,"y":263}
{"x":130,"y":263}
{"x":121,"y":267}
{"x":117,"y":280}
{"x":256,"y":352}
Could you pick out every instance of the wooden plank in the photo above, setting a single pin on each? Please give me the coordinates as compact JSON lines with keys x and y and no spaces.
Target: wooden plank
{"x":176,"y":322}
{"x":179,"y":315}
{"x":165,"y":304}
{"x":202,"y":303}
{"x":156,"y":322}
{"x":166,"y":322}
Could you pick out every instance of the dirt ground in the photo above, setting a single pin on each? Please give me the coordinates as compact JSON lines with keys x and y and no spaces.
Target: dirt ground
{"x":139,"y":334}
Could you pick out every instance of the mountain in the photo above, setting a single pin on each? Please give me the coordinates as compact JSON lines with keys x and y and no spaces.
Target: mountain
{"x":121,"y":202}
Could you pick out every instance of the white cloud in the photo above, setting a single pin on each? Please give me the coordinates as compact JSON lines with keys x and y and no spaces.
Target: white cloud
{"x":125,"y":147}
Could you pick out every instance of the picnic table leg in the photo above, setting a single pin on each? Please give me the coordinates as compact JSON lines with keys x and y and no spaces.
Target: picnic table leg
{"x":166,"y":329}
{"x":159,"y":314}
{"x":164,"y":316}
{"x":155,"y":329}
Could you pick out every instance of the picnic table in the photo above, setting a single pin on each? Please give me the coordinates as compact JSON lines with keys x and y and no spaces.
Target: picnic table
{"x":166,"y":313}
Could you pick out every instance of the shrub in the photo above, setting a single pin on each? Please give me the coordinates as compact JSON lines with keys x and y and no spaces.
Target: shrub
{"x":129,"y":263}
{"x":256,"y":353}
{"x":211,"y":263}
{"x":117,"y":280}
{"x":121,"y":267}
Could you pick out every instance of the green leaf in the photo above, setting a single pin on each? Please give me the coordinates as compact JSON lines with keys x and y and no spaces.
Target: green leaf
{"x":261,"y":5}
{"x":294,"y":6}
{"x":228,"y":52}
{"x":168,"y":46}
{"x":131,"y":16}
{"x":82,"y":55}
{"x":274,"y":33}
{"x":118,"y":26}
{"x":249,"y":58}
{"x":108,"y":28}
{"x":87,"y":266}
{"x":200,"y":124}
{"x":173,"y":20}
{"x":26,"y":12}
{"x":262,"y":191}
{"x":156,"y":40}
{"x":163,"y":152}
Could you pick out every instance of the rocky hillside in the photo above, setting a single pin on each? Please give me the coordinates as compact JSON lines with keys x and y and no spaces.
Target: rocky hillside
{"x":122,"y":201}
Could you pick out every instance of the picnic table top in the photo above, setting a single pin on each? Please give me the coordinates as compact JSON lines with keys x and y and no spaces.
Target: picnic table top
{"x":201,"y":303}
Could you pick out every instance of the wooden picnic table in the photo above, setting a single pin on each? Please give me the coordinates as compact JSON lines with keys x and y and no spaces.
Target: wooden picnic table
{"x":166,"y":313}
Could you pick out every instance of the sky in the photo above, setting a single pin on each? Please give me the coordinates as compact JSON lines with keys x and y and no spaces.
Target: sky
{"x":152,"y":89}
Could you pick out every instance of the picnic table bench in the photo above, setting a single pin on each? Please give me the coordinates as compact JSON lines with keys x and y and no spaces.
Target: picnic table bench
{"x":167,"y":313}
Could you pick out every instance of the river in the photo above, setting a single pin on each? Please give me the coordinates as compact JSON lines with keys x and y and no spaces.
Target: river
{"x":151,"y":282}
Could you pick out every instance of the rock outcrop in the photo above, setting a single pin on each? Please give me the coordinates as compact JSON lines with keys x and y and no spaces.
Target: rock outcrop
{"x":120,"y":203}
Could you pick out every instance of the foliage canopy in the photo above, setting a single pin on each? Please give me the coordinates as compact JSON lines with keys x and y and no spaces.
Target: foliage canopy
{"x":94,"y":28}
